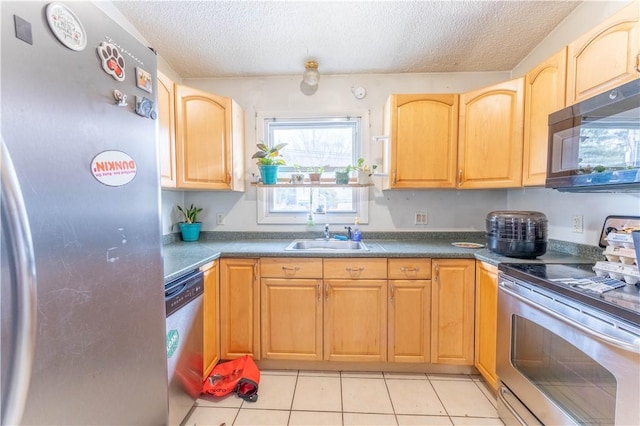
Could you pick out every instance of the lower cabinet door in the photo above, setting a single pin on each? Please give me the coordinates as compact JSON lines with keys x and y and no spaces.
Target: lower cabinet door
{"x":409,"y":321}
{"x":452,"y":316}
{"x":211,"y":315}
{"x":355,"y":320}
{"x":291,"y":313}
{"x":239,"y":308}
{"x":486,"y":322}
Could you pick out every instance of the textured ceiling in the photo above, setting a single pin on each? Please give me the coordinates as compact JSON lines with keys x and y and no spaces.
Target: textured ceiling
{"x":257,"y":38}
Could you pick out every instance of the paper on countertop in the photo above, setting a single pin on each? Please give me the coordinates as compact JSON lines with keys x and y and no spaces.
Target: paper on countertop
{"x":596,"y":284}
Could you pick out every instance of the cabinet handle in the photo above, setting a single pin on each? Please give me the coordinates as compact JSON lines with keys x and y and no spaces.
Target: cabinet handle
{"x":255,"y":271}
{"x":290,"y":271}
{"x":392,"y":288}
{"x":638,"y":62}
{"x":318,"y":291}
{"x":326,"y":292}
{"x":354,"y":272}
{"x":410,"y":269}
{"x":228,"y":177}
{"x":393,"y":180}
{"x":437,"y":272}
{"x":460,"y":177}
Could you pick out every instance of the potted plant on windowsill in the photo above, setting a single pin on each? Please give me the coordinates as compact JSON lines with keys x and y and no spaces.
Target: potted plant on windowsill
{"x":315,"y":173}
{"x":190,"y":228}
{"x":269,"y":160}
{"x":364,"y":171}
{"x":342,"y":175}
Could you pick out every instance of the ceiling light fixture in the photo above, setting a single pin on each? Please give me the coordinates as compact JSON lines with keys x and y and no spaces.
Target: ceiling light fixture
{"x":310,"y":78}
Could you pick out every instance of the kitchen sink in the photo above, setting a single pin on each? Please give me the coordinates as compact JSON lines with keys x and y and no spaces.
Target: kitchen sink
{"x":326,"y":245}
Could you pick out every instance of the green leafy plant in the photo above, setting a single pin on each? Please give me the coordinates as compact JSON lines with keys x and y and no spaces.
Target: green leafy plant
{"x":190,"y":214}
{"x":361,"y":166}
{"x":269,"y":156}
{"x":599,"y":169}
{"x":315,"y":169}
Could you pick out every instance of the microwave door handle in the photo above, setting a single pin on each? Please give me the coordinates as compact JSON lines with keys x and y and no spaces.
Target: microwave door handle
{"x":632,"y":346}
{"x":19,"y":234}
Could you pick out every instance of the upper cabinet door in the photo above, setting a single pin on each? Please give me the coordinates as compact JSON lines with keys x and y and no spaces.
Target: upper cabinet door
{"x":423,"y":131}
{"x":490,"y":137}
{"x":205,"y":140}
{"x":605,"y":57}
{"x":166,"y":131}
{"x":544,"y":93}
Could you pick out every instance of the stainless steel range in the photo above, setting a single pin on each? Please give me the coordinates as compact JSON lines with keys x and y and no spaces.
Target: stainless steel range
{"x":567,"y":353}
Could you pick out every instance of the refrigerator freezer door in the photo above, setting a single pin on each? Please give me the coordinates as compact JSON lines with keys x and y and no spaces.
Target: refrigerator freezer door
{"x":100,"y":354}
{"x":17,"y":294}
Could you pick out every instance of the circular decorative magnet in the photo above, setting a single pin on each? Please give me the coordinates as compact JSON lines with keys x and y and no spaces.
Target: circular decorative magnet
{"x":113,"y":168}
{"x":66,"y":26}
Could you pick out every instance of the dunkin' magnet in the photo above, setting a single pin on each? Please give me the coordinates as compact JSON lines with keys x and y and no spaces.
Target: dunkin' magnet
{"x":112,"y":61}
{"x":113,"y":168}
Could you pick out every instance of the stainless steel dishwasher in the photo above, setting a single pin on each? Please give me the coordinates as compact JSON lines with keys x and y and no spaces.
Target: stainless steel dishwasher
{"x":183,"y":301}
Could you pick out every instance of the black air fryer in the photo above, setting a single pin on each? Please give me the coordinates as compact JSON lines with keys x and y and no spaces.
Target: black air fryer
{"x":519,"y":234}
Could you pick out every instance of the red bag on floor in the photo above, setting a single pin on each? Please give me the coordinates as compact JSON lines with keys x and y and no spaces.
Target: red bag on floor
{"x":239,"y":375}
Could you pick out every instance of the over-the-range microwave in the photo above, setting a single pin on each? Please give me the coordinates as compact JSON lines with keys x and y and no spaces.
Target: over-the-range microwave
{"x":594,"y":145}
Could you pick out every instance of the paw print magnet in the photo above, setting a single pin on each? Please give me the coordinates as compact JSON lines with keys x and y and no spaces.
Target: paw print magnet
{"x":112,"y":61}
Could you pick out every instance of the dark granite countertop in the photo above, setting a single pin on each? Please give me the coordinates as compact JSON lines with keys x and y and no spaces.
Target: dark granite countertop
{"x":182,"y":257}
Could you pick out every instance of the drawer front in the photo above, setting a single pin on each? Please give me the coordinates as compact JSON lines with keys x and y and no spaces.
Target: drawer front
{"x":289,"y":267}
{"x":355,"y":268}
{"x":409,"y":269}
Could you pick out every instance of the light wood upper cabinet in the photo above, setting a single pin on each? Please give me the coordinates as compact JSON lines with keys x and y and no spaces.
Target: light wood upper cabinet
{"x":209,"y":141}
{"x":239,"y":308}
{"x":491,"y":136}
{"x":544,"y":93}
{"x":211,"y":315}
{"x":423,"y":132}
{"x":486,"y":322}
{"x":605,"y":57}
{"x":166,"y":131}
{"x":409,"y":331}
{"x":452,"y":315}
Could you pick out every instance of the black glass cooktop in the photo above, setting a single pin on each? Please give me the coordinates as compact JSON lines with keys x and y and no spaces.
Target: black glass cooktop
{"x":622,"y":300}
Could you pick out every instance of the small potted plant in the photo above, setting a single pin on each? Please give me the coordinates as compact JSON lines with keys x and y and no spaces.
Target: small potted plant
{"x":342,"y":175}
{"x":298,"y":176}
{"x":190,"y":228}
{"x":364,"y":171}
{"x":269,"y":160}
{"x":315,"y":173}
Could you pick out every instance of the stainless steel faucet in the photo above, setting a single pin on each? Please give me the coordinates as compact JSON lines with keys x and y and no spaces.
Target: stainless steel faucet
{"x":327,"y":235}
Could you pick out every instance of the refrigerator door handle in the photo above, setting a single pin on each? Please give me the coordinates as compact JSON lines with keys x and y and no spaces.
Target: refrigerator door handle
{"x":21,"y":244}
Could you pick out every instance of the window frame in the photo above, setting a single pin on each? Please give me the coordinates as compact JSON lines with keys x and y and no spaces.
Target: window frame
{"x":360,"y":194}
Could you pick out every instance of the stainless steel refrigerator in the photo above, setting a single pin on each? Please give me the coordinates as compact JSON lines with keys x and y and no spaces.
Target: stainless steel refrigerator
{"x":82,"y":288}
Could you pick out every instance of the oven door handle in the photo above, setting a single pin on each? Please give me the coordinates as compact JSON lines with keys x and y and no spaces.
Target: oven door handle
{"x":633,"y":346}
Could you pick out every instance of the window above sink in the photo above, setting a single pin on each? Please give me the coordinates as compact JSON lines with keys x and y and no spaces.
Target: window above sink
{"x":314,"y":140}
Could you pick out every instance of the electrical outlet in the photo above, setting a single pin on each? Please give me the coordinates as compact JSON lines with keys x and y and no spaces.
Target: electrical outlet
{"x":420,"y":218}
{"x":220,"y":218}
{"x":577,"y":224}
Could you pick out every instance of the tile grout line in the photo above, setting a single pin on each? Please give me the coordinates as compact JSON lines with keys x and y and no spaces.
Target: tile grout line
{"x":395,"y":415}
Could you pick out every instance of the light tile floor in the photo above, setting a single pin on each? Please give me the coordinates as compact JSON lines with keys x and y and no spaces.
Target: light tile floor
{"x":354,"y":398}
